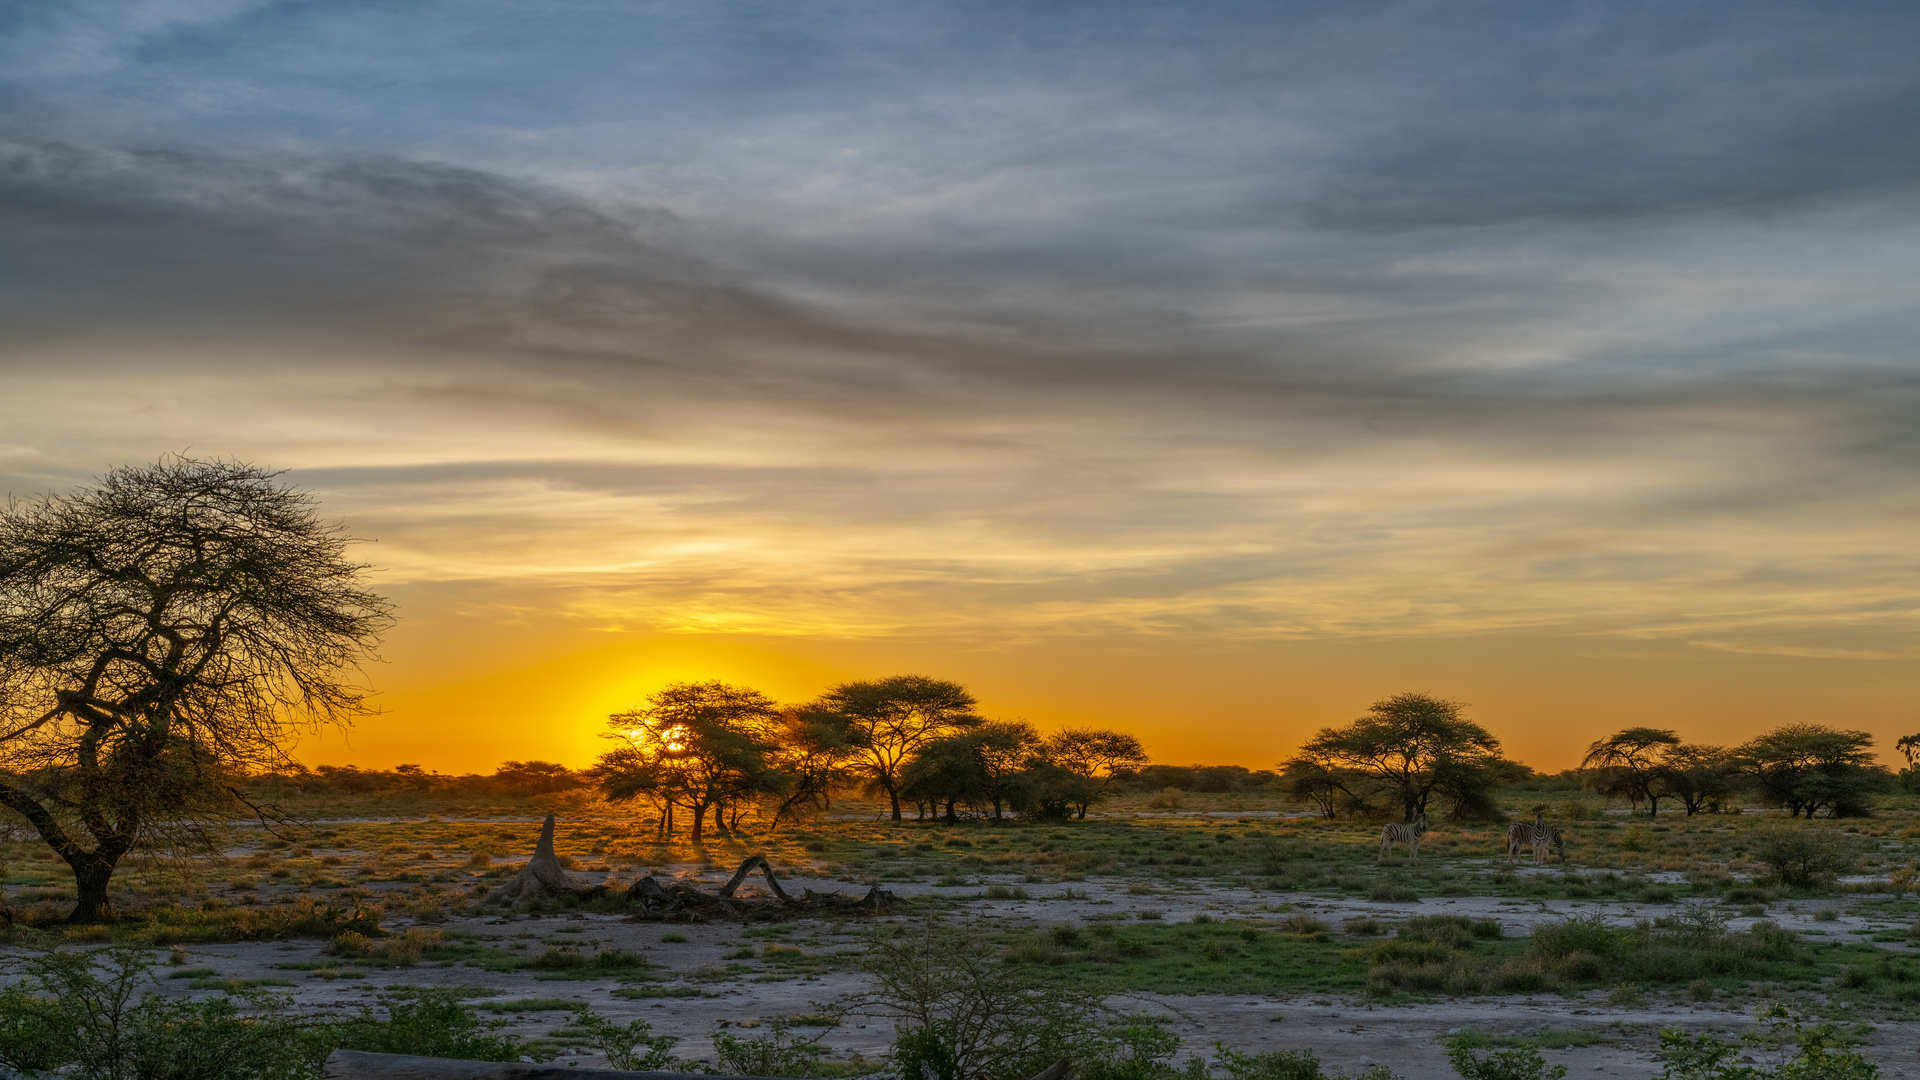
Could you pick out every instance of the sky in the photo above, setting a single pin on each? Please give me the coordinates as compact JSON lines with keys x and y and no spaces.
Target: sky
{"x":1206,"y":370}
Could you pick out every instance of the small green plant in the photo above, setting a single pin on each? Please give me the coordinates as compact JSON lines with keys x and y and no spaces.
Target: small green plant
{"x":673,"y":939}
{"x":779,"y":1054}
{"x":1275,"y":1065}
{"x":1627,"y":996}
{"x":1514,"y":1063}
{"x":628,"y":1046}
{"x":1763,"y":1054}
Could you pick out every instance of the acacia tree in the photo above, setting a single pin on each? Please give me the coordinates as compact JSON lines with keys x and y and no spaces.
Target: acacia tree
{"x":162,"y":634}
{"x":893,"y":718}
{"x":1810,"y":767}
{"x":816,"y":749}
{"x":698,"y":745}
{"x":944,"y":774}
{"x":1634,"y":761}
{"x":1909,"y":747}
{"x":1411,"y":744}
{"x":1096,"y":757}
{"x":1701,"y":777}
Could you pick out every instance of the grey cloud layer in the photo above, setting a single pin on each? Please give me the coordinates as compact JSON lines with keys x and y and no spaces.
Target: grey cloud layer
{"x":1388,"y":319}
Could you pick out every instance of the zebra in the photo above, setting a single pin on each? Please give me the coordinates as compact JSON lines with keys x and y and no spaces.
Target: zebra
{"x":1402,"y":834}
{"x":1537,"y":836}
{"x":1519,"y":838}
{"x":1557,"y":841}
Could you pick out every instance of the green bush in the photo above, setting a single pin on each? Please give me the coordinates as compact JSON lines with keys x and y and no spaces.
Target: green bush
{"x":1816,"y":1053}
{"x":1275,"y":1065}
{"x":1805,"y":856}
{"x":779,"y":1054}
{"x":432,"y":1023}
{"x":1515,"y":1063}
{"x":77,"y":1011}
{"x":1279,"y":1065}
{"x":631,"y":1045}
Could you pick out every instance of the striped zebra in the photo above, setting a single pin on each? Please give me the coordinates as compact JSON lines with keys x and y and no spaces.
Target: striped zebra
{"x":1402,"y":834}
{"x":1536,"y":836}
{"x":1557,"y":842}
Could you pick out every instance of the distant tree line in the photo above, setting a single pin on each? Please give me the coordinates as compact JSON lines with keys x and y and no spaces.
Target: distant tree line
{"x":1413,"y":753}
{"x":1805,"y":769}
{"x":511,"y":778}
{"x":713,"y":751}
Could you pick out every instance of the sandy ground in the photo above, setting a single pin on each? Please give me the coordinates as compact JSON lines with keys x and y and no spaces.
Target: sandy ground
{"x":1346,"y":1033}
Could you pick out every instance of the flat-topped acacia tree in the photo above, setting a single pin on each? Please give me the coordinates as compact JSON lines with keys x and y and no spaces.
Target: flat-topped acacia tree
{"x":891,"y":719}
{"x":162,"y":634}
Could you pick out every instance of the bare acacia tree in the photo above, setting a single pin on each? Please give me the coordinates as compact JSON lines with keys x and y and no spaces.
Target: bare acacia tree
{"x":1633,"y":761}
{"x":163,"y":634}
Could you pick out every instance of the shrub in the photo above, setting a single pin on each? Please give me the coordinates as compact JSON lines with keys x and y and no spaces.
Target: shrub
{"x":779,"y":1054}
{"x":431,"y":1023}
{"x":1580,"y":934}
{"x":1276,"y":1065}
{"x":1803,"y":855}
{"x":65,"y":1014}
{"x":1627,"y":995}
{"x":631,"y":1045}
{"x":962,"y":1014}
{"x":1518,"y":1063}
{"x":1818,"y":1053}
{"x":565,"y":959}
{"x":401,"y":950}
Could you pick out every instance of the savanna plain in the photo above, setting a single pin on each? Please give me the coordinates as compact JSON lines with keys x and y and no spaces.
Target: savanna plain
{"x":1223,"y":933}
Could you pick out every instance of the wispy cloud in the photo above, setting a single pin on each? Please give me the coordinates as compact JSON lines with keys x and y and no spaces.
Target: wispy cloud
{"x":1286,"y":321}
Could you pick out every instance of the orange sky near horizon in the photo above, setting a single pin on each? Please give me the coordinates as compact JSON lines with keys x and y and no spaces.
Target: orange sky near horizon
{"x":1191,"y":702}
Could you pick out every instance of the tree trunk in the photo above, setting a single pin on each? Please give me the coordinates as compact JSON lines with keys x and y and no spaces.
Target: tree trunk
{"x":699,"y":817}
{"x":719,"y":819}
{"x":894,"y":794}
{"x":90,"y":877}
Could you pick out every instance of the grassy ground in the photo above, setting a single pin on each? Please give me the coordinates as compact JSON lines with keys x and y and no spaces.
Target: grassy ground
{"x":409,"y":860}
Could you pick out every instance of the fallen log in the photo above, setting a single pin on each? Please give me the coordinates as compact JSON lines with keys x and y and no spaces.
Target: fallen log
{"x":685,"y":902}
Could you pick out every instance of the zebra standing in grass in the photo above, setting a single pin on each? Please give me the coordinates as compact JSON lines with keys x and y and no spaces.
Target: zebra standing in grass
{"x":1402,"y":834}
{"x":1521,"y":836}
{"x":1557,"y":842}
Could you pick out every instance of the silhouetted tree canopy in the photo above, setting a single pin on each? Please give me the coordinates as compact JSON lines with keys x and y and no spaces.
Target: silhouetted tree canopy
{"x":1632,"y":762}
{"x":162,"y":634}
{"x":893,"y":718}
{"x":698,"y":745}
{"x":1096,"y":758}
{"x":1412,"y":746}
{"x":1811,"y":767}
